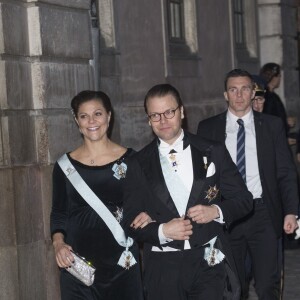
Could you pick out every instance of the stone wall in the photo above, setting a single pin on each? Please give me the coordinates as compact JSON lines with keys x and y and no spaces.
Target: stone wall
{"x":278,"y":43}
{"x":45,"y":49}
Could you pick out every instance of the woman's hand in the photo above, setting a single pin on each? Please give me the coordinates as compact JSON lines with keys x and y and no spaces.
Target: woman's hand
{"x":141,"y":220}
{"x":63,"y":254}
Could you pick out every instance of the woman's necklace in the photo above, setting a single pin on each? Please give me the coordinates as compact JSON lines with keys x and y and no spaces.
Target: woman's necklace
{"x":92,"y":160}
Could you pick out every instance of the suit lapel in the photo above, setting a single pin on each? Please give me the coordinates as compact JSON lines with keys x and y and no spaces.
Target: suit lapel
{"x":221,"y":133}
{"x":156,"y":179}
{"x":199,"y":176}
{"x":198,"y":152}
{"x":258,"y":123}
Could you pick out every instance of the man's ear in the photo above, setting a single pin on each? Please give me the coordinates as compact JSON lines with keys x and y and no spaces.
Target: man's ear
{"x":226,"y":96}
{"x":182,"y":112}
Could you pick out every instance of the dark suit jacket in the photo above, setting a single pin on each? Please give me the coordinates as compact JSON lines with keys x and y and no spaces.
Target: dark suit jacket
{"x":146,"y":190}
{"x":276,"y":167}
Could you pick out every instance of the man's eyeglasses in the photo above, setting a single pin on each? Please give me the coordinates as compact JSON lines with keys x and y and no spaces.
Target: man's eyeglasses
{"x":168,"y":114}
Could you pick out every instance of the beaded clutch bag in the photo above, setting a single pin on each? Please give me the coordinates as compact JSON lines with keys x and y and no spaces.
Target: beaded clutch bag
{"x":82,"y":269}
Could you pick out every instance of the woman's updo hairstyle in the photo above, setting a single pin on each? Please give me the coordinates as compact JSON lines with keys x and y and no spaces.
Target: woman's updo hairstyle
{"x":86,"y":96}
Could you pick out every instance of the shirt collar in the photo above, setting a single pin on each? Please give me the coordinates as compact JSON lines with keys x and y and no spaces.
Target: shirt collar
{"x":179,"y":140}
{"x":177,"y":145}
{"x":232,"y":119}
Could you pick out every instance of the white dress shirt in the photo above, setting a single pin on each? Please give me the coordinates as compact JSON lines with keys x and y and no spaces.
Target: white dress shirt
{"x":184,"y":169}
{"x":252,"y":171}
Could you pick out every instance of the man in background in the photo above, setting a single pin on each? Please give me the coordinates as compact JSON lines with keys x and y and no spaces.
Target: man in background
{"x":257,"y":144}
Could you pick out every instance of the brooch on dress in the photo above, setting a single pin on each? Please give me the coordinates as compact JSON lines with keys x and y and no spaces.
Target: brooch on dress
{"x":70,"y":171}
{"x":212,"y":193}
{"x":119,"y":214}
{"x":120,"y":170}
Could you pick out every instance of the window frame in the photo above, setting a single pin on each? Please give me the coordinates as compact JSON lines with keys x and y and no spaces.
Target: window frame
{"x":172,"y":21}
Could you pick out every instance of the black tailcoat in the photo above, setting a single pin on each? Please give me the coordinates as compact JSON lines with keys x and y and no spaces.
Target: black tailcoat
{"x":147,"y":191}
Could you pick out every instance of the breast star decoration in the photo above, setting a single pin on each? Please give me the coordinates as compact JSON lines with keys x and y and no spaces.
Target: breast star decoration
{"x":119,"y":214}
{"x":211,"y":193}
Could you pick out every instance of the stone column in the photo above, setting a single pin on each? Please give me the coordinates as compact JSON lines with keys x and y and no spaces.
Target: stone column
{"x":278,"y":32}
{"x":45,"y":53}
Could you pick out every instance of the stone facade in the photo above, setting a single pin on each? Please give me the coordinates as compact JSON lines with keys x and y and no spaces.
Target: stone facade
{"x":278,"y":43}
{"x":50,"y":50}
{"x":46,"y":50}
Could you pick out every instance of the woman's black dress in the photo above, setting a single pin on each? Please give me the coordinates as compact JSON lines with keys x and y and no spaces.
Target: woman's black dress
{"x":89,"y":236}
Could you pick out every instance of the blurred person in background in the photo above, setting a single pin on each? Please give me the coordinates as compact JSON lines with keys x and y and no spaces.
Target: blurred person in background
{"x":259,"y":98}
{"x":271,"y":74}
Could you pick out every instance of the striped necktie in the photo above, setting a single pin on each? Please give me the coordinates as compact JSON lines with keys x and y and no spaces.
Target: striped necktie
{"x":240,"y":149}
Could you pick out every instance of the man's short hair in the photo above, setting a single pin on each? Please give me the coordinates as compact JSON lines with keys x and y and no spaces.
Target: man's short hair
{"x":237,"y":73}
{"x":161,"y":90}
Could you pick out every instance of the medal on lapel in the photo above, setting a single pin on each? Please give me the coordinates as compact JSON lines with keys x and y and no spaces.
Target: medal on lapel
{"x":211,"y":193}
{"x":205,"y":162}
{"x":173,"y":159}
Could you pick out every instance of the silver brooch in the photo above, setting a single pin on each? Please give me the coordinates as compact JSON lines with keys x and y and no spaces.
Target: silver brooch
{"x":70,"y":171}
{"x":119,"y":214}
{"x":120,"y":170}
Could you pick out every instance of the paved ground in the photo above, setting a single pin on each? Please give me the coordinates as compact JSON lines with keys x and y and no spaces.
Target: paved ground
{"x":291,"y":289}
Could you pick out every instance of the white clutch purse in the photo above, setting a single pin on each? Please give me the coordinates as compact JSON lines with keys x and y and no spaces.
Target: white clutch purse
{"x":82,"y":269}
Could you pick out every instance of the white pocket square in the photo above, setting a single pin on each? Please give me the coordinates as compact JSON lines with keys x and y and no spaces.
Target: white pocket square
{"x":211,"y":170}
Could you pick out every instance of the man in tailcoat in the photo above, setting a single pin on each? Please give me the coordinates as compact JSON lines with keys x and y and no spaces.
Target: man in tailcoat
{"x":178,"y":179}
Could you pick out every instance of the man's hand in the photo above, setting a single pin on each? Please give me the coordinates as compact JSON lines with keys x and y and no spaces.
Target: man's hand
{"x":141,"y":220}
{"x":290,"y":224}
{"x":292,"y":141}
{"x":202,"y":214}
{"x":178,"y":229}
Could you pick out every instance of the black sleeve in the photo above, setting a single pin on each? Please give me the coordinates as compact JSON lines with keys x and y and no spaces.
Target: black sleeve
{"x":135,"y":196}
{"x":286,"y":170}
{"x":298,"y":142}
{"x":59,"y":212}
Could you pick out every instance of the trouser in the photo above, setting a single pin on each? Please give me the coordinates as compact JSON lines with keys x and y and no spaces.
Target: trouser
{"x":183,"y":275}
{"x":256,"y":233}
